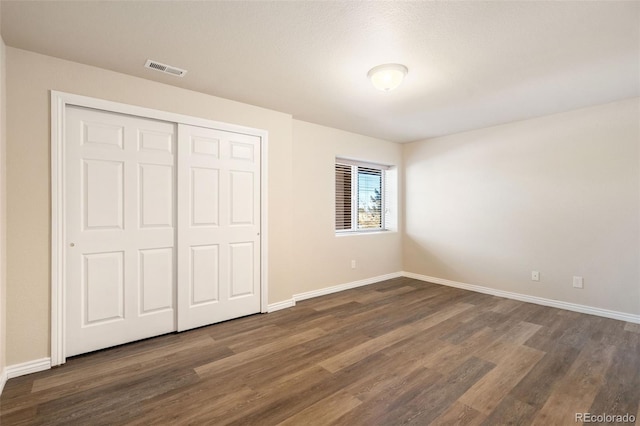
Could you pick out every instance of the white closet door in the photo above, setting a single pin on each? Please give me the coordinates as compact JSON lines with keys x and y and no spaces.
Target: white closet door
{"x":219,"y":226}
{"x":119,"y":229}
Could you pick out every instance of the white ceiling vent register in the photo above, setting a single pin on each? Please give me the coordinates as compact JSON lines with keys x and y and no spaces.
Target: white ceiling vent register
{"x":167,"y":69}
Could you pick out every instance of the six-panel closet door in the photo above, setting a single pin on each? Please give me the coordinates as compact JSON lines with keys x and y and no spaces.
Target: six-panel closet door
{"x":120,"y":229}
{"x":219,"y":226}
{"x":161,"y":227}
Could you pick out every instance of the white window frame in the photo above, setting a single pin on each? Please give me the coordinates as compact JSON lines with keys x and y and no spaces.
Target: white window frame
{"x":354,"y":164}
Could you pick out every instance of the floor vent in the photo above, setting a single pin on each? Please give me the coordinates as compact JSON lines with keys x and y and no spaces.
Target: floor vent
{"x":167,"y":69}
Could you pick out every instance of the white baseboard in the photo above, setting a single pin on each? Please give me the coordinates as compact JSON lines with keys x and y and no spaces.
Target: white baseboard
{"x":606,"y":313}
{"x":29,"y":367}
{"x":328,"y":290}
{"x":3,"y":380}
{"x":622,"y":316}
{"x":281,"y":305}
{"x":341,"y":287}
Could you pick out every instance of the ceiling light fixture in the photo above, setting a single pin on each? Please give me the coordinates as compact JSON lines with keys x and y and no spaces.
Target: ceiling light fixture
{"x":388,"y":76}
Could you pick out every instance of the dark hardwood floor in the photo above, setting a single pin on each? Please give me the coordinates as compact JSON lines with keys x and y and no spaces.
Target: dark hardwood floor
{"x":397,"y":352}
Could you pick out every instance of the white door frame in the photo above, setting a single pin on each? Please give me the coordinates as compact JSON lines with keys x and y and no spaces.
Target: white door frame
{"x":59,"y":103}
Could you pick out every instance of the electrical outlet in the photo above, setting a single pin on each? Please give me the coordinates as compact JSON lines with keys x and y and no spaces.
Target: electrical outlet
{"x":535,"y":276}
{"x":578,"y":282}
{"x":353,"y":264}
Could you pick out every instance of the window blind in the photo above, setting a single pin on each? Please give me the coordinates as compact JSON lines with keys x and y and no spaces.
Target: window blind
{"x":343,"y":197}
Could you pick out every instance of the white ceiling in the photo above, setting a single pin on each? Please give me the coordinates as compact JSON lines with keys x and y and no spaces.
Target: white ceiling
{"x":471,"y":64}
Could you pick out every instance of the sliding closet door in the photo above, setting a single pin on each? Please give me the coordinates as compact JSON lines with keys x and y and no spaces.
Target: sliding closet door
{"x":161,"y":227}
{"x":119,"y":229}
{"x":219,"y":226}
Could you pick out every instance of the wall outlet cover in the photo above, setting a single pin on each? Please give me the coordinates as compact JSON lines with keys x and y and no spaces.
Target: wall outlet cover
{"x":578,"y":282}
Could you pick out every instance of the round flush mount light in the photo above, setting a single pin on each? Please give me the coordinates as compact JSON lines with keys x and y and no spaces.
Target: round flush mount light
{"x":388,"y":76}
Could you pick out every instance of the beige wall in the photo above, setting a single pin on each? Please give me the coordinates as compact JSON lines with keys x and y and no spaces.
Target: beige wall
{"x":321,"y":258}
{"x":30,"y":76}
{"x":558,"y":194}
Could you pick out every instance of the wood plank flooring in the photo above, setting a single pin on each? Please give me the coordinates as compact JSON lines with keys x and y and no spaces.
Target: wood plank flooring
{"x":396,"y":352}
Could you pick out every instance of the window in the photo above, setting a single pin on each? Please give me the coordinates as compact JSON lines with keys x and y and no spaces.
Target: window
{"x":361,"y":196}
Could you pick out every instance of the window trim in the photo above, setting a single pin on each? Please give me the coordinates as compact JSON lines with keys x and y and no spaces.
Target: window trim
{"x":355,"y":164}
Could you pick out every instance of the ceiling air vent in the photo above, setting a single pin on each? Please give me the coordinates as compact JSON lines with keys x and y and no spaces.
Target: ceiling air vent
{"x":167,"y":69}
